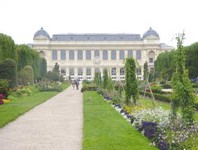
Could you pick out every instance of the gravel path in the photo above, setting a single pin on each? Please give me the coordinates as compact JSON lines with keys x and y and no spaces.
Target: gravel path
{"x":53,"y":125}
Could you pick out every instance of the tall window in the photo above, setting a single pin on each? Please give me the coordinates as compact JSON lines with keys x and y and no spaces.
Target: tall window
{"x":54,"y":54}
{"x":80,"y":55}
{"x":130,"y":53}
{"x":71,"y":55}
{"x":97,"y":70}
{"x":139,"y":71}
{"x":113,"y":71}
{"x":121,"y":71}
{"x":96,"y":53}
{"x":80,"y":71}
{"x":63,"y":54}
{"x":63,"y":71}
{"x":88,"y":55}
{"x":88,"y":71}
{"x":121,"y":54}
{"x":71,"y":71}
{"x":105,"y":55}
{"x":113,"y":54}
{"x":151,"y":56}
{"x":138,"y":54}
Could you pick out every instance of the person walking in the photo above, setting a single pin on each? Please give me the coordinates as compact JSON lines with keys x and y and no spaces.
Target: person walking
{"x":77,"y":83}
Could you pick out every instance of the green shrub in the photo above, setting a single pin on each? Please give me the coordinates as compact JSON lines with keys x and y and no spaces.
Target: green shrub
{"x":89,"y":87}
{"x":166,"y":86}
{"x":156,"y":89}
{"x":26,"y":76}
{"x":195,"y":85}
{"x":157,"y":96}
{"x":8,"y":71}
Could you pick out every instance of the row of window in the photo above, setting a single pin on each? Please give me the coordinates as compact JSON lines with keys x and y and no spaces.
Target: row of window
{"x":96,"y":53}
{"x":88,"y":71}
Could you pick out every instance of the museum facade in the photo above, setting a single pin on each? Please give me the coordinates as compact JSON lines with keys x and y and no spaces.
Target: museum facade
{"x":82,"y":55}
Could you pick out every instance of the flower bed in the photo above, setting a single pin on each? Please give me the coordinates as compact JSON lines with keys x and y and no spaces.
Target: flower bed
{"x":155,"y":123}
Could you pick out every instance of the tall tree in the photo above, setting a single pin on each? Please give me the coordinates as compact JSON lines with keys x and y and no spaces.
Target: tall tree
{"x":182,"y":90}
{"x":43,"y":67}
{"x":165,"y":65}
{"x":7,"y":48}
{"x":191,"y":60}
{"x":131,"y":89}
{"x":146,"y":71}
{"x":28,"y":56}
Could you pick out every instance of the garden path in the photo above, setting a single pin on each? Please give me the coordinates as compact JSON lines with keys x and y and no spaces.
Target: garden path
{"x":53,"y":125}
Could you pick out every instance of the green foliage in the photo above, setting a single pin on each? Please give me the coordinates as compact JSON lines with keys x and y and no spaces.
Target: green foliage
{"x":56,"y":68}
{"x":28,"y":56}
{"x":4,"y":84}
{"x":7,"y":48}
{"x":89,"y":87}
{"x":182,"y":89}
{"x":98,"y":79}
{"x":156,"y":89}
{"x":131,"y":89}
{"x":8,"y":71}
{"x":191,"y":60}
{"x":105,"y":79}
{"x":165,"y":65}
{"x":43,"y":67}
{"x":146,"y":71}
{"x":26,"y":76}
{"x":54,"y":75}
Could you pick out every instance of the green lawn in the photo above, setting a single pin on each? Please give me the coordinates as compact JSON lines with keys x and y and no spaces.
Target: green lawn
{"x":17,"y":107}
{"x":106,"y":129}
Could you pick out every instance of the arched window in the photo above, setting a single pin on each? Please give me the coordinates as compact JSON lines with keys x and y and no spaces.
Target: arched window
{"x":88,"y":55}
{"x":121,"y":71}
{"x":63,"y":71}
{"x":139,"y":71}
{"x":80,"y":55}
{"x":88,"y":71}
{"x":130,"y":53}
{"x":105,"y":55}
{"x":113,"y":55}
{"x":71,"y":55}
{"x":96,"y":53}
{"x":151,"y":56}
{"x":80,"y":71}
{"x":71,"y":71}
{"x":97,"y":70}
{"x":113,"y":71}
{"x":42,"y":54}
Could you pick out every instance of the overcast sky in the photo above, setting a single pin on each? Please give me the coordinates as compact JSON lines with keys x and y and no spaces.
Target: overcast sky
{"x":22,"y":18}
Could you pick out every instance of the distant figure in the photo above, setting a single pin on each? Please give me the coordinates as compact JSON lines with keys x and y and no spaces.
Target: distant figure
{"x":73,"y":84}
{"x":77,"y":83}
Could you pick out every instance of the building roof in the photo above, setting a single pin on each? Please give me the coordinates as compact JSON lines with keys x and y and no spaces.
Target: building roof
{"x":96,"y":37}
{"x":41,"y":32}
{"x":150,"y":32}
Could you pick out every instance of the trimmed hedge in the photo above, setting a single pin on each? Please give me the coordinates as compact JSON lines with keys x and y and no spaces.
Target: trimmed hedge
{"x":89,"y":87}
{"x":157,"y":96}
{"x":162,"y":98}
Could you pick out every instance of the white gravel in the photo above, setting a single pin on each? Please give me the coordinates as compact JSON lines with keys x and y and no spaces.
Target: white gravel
{"x":53,"y":125}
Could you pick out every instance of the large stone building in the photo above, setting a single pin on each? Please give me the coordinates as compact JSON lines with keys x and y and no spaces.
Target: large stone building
{"x":81,"y":55}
